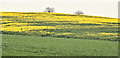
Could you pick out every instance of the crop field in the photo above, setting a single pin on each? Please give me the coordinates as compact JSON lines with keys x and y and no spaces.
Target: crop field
{"x":19,"y":45}
{"x":58,"y":34}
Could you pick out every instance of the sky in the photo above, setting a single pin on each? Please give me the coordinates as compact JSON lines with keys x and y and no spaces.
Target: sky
{"x":105,"y":8}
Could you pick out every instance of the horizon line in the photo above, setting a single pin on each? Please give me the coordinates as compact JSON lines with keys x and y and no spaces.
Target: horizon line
{"x":58,"y":12}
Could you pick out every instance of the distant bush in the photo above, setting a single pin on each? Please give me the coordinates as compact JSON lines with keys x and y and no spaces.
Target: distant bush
{"x":79,"y":12}
{"x":48,"y":9}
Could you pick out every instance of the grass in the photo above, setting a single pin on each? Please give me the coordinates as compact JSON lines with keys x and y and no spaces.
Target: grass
{"x":20,"y":45}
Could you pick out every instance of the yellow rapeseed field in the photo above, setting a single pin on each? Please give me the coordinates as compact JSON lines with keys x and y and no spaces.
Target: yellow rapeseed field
{"x":56,"y":24}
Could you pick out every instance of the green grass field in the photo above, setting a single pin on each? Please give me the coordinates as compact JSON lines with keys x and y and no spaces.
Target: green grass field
{"x":20,"y":45}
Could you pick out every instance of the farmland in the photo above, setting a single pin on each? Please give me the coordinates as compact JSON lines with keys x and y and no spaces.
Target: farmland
{"x":19,"y":45}
{"x":59,"y":34}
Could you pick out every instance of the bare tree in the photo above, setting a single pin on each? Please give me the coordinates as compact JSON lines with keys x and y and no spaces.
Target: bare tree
{"x":48,"y":9}
{"x":79,"y":12}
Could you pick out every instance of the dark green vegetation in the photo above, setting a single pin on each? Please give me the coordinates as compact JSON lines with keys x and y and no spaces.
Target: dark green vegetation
{"x":19,"y":45}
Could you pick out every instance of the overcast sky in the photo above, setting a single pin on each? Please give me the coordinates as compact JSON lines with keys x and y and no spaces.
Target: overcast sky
{"x":107,"y":8}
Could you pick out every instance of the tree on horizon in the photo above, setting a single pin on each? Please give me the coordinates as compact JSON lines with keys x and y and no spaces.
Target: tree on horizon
{"x":79,"y":12}
{"x":48,"y":9}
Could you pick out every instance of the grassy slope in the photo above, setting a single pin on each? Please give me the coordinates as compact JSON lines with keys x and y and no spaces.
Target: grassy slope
{"x":17,"y":45}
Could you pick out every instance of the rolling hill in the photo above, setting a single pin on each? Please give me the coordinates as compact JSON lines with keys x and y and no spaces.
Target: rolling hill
{"x":58,"y":34}
{"x":60,"y":25}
